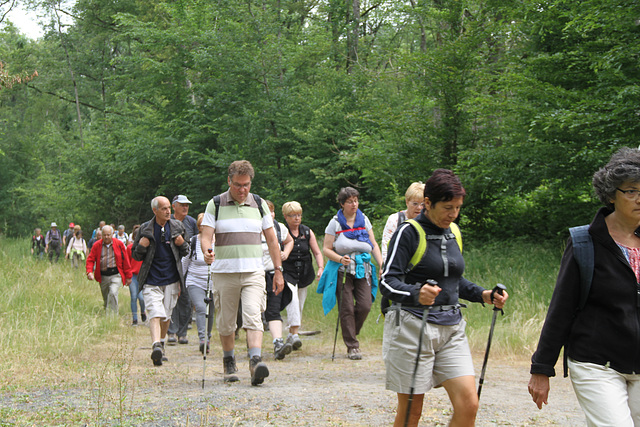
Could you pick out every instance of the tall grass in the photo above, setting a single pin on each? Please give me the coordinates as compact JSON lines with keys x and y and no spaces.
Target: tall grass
{"x":52,"y":315}
{"x":49,"y":314}
{"x":527,"y":269}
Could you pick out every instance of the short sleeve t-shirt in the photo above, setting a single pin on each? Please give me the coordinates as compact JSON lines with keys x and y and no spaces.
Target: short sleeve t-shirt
{"x":238,"y":247}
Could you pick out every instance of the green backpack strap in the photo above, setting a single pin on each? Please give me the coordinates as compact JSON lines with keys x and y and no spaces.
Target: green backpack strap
{"x":422,"y":242}
{"x":456,"y":232}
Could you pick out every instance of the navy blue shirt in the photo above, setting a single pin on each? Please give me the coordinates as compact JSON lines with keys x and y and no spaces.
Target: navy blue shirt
{"x":163,"y":270}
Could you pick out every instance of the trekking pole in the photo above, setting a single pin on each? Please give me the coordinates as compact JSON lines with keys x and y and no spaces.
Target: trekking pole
{"x":208,"y":297}
{"x":425,"y":314}
{"x":335,"y":338}
{"x":499,"y":289}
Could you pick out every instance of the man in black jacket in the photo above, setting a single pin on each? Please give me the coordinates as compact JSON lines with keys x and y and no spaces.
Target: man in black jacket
{"x":160,"y":244}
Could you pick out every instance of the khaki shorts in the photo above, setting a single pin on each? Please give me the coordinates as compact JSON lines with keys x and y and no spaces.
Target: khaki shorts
{"x":160,"y":300}
{"x":228,"y":289}
{"x":445,"y":353}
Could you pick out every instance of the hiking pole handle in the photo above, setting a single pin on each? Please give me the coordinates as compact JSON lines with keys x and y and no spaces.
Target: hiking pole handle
{"x":207,"y":297}
{"x":499,"y":289}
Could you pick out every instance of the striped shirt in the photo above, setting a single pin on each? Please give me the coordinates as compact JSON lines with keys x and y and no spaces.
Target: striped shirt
{"x":238,"y":248}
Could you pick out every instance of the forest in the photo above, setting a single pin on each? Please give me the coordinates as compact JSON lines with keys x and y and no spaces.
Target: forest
{"x":123,"y":100}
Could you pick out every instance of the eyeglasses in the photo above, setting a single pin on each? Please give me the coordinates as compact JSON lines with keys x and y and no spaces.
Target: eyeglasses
{"x":163,"y":238}
{"x":416,"y":204}
{"x":630,"y":194}
{"x":239,"y":186}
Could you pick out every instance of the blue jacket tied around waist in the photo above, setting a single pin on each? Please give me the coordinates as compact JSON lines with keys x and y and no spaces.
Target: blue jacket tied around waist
{"x":329,"y":280}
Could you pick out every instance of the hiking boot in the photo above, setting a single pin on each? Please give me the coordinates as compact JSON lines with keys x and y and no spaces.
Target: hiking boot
{"x":183,"y":340}
{"x":295,"y":342}
{"x":143,"y":317}
{"x":354,"y":354}
{"x":172,"y":340}
{"x":230,"y":368}
{"x":258,"y":369}
{"x":156,"y":354}
{"x":281,"y":349}
{"x":134,"y":322}
{"x":164,"y":356}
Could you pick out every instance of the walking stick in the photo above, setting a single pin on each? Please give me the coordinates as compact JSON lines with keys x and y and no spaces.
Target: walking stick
{"x":335,"y":338}
{"x":499,"y":289}
{"x":425,"y":314}
{"x":208,"y":297}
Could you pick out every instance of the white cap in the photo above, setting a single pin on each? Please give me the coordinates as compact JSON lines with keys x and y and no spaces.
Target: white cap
{"x":181,"y":199}
{"x":53,"y":224}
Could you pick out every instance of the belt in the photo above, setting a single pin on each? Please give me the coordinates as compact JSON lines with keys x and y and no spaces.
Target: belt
{"x":109,"y":271}
{"x":396,"y":306}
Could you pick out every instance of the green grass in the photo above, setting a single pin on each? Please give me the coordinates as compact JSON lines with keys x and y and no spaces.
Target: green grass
{"x":528,"y":271}
{"x":53,"y":313}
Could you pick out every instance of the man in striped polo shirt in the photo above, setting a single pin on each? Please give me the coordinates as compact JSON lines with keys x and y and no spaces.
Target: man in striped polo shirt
{"x":236,"y":220}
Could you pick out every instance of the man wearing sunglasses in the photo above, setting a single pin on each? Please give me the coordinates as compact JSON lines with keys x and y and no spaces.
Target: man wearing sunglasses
{"x":160,"y":244}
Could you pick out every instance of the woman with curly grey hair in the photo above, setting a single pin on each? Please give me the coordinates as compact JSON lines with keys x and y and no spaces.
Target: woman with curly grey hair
{"x":601,"y":337}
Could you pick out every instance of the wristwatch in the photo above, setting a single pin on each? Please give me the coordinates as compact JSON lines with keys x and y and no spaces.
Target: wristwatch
{"x":281,"y":268}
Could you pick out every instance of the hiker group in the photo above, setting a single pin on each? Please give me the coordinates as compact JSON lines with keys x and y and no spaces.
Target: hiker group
{"x":237,"y":263}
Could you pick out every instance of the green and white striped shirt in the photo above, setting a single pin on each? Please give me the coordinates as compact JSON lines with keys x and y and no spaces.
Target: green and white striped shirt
{"x":238,"y":247}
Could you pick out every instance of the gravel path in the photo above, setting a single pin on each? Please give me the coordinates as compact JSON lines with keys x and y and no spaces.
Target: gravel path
{"x":305,"y":389}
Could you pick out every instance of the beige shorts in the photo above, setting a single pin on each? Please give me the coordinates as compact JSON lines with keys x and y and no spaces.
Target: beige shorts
{"x":228,"y":289}
{"x":160,"y":300}
{"x":444,"y":355}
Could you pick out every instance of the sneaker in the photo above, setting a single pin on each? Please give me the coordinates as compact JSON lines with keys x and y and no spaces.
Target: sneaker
{"x":143,"y":317}
{"x":202,"y":347}
{"x":295,"y":342}
{"x":258,"y":369}
{"x":230,"y":368}
{"x":134,"y":322}
{"x":183,"y":340}
{"x":157,"y":353}
{"x":172,"y":340}
{"x":281,"y":349}
{"x":354,"y":354}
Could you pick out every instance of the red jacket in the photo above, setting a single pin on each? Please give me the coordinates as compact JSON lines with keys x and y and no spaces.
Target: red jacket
{"x":122,"y":260}
{"x":135,"y":264}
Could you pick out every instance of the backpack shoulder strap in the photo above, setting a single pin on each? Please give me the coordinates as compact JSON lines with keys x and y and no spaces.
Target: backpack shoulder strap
{"x":259,"y":203}
{"x":422,"y":245}
{"x":306,"y":231}
{"x":456,"y":232}
{"x":192,"y":244}
{"x":584,"y":256}
{"x":401,"y":217}
{"x":216,"y":202}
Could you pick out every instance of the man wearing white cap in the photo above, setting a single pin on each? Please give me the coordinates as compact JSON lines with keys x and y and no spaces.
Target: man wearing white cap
{"x":52,"y":242}
{"x":182,"y":312}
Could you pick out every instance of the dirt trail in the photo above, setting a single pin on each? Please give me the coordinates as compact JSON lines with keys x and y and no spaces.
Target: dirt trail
{"x":305,"y":389}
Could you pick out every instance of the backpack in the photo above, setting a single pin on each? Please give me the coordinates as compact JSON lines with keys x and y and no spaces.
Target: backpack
{"x":421,"y":251}
{"x":584,"y":256}
{"x":216,"y":201}
{"x":422,"y":243}
{"x":583,"y":253}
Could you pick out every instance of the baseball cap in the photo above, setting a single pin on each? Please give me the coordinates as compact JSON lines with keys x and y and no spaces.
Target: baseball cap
{"x":71,"y":225}
{"x":181,"y":199}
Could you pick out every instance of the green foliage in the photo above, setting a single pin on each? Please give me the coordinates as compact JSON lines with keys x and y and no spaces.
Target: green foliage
{"x":525,"y":100}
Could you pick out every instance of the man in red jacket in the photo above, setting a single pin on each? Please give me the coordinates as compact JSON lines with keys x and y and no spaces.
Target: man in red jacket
{"x":112,"y":268}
